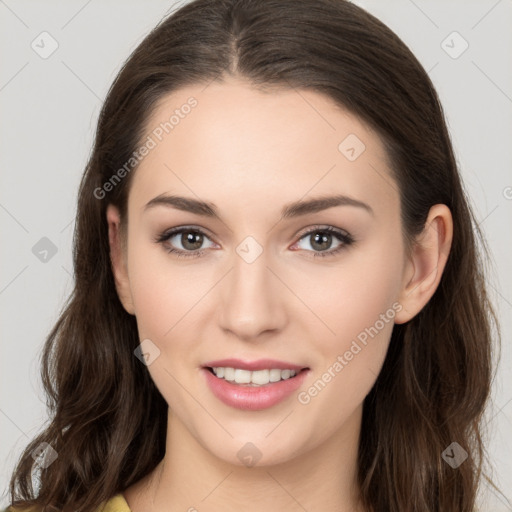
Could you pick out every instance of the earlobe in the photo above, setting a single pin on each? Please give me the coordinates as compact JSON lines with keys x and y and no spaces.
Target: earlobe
{"x":427,"y":262}
{"x":118,"y":259}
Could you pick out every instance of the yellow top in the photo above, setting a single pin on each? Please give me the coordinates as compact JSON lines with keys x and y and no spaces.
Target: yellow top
{"x":115,"y":504}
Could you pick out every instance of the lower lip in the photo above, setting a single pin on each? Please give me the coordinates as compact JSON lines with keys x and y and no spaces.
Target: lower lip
{"x":253,"y":398}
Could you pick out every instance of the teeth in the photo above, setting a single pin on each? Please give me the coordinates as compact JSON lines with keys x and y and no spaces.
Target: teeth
{"x":256,"y":378}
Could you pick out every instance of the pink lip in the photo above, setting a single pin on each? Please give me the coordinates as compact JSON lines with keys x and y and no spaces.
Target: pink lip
{"x":252,"y":398}
{"x":260,"y":364}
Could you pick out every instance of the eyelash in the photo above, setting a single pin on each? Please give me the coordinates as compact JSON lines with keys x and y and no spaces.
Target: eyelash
{"x":344,"y":237}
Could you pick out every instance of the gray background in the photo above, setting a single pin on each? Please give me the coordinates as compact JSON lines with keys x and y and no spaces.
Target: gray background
{"x":49,"y":108}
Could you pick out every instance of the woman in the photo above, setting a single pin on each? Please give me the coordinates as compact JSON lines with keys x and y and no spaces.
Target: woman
{"x":279,"y":303}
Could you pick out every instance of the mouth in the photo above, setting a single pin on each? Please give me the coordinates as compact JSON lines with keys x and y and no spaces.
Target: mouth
{"x":253,"y":390}
{"x":255,"y":378}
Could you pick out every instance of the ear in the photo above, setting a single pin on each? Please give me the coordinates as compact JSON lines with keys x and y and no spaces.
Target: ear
{"x":118,"y":258}
{"x":425,"y":266}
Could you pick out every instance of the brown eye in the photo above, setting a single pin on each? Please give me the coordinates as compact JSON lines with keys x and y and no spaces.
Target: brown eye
{"x":321,"y":239}
{"x":191,"y":240}
{"x":183,"y":242}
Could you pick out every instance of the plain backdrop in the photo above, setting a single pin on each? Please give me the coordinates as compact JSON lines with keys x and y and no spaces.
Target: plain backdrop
{"x":49,"y":108}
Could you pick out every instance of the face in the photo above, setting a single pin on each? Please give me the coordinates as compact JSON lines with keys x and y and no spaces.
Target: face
{"x":316,"y":288}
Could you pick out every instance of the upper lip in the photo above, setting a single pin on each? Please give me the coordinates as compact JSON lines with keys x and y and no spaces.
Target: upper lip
{"x":260,"y":364}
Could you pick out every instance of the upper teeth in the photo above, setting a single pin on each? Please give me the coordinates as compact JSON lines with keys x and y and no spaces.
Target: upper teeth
{"x":259,"y":377}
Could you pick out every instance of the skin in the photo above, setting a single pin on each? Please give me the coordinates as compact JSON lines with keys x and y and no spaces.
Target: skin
{"x":250,"y":153}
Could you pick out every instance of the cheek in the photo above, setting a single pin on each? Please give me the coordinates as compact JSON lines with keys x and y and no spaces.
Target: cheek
{"x":356,"y":301}
{"x":164,"y":290}
{"x":351,"y":294}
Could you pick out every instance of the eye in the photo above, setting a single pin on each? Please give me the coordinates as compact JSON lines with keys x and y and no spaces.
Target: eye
{"x":190,"y":239}
{"x":321,"y":238}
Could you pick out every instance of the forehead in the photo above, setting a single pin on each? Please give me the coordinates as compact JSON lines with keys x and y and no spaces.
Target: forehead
{"x":232,"y":142}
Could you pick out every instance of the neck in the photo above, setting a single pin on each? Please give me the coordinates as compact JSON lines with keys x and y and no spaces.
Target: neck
{"x":190,"y":477}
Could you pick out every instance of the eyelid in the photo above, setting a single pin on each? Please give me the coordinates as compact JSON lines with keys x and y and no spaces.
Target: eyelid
{"x":343,"y":236}
{"x":305,"y":231}
{"x":321,"y":227}
{"x":167,"y":233}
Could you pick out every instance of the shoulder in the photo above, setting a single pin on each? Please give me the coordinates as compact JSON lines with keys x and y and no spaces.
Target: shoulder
{"x":115,"y":504}
{"x":21,"y":509}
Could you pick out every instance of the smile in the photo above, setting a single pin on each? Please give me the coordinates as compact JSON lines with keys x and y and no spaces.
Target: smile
{"x":253,"y":396}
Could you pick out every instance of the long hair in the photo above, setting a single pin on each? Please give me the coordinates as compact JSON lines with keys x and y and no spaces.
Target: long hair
{"x":108,"y":420}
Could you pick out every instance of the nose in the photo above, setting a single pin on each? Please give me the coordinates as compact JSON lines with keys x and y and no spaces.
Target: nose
{"x":252,"y":299}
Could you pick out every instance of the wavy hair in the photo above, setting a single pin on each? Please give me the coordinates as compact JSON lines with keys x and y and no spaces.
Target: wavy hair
{"x":108,"y":420}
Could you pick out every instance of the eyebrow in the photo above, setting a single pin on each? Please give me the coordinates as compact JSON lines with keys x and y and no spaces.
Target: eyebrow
{"x":292,"y":210}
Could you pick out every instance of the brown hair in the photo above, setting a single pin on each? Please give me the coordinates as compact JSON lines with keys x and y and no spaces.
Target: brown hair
{"x":108,"y":420}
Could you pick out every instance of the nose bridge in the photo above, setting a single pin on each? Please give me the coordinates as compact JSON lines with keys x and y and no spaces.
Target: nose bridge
{"x":251,"y":301}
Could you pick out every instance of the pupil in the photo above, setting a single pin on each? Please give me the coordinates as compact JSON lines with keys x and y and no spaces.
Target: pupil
{"x":323,"y":238}
{"x":194,"y":239}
